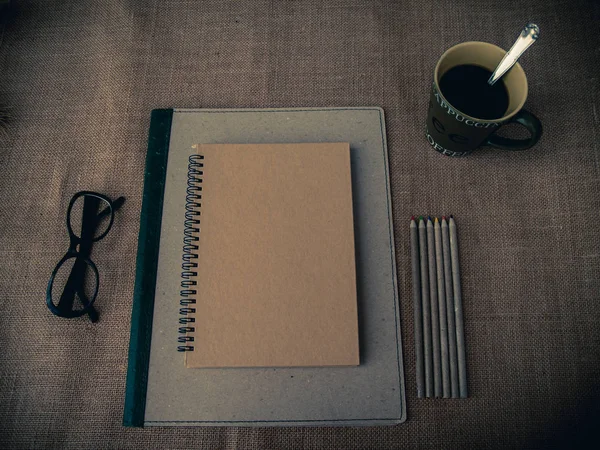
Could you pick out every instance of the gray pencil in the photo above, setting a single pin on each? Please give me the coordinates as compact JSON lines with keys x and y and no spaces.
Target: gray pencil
{"x":435,"y":314}
{"x":458,"y":312}
{"x":427,"y":351}
{"x":418,"y":307}
{"x":439,"y":260}
{"x":452,"y":356}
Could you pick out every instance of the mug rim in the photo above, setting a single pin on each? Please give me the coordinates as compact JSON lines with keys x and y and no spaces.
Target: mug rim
{"x":517,"y":66}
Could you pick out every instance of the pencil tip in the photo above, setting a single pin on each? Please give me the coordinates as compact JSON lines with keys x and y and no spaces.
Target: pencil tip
{"x":436,"y":220}
{"x":429,"y":218}
{"x":451,"y":216}
{"x":412,"y":217}
{"x":443,"y":217}
{"x":420,"y":217}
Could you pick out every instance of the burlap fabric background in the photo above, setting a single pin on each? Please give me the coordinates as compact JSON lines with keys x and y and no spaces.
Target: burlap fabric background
{"x":80,"y":79}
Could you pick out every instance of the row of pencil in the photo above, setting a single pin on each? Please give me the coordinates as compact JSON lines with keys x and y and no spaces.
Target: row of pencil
{"x":439,"y":333}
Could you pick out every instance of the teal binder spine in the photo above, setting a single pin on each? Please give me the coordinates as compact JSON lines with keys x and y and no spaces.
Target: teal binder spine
{"x":146,"y":267}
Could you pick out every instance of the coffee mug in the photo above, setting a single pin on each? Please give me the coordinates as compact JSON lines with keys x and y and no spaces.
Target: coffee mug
{"x":453,"y":132}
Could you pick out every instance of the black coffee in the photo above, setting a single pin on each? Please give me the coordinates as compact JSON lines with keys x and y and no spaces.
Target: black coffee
{"x":466,"y":88}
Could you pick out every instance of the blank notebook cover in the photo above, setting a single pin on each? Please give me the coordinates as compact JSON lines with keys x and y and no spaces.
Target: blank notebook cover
{"x":275,"y":282}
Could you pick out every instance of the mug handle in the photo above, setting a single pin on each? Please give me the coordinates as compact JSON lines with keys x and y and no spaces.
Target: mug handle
{"x":530,"y":122}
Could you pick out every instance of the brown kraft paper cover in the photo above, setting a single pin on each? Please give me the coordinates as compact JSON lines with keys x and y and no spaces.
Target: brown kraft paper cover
{"x":276,"y":283}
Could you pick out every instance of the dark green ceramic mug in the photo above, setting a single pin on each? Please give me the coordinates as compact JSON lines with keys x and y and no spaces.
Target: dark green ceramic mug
{"x":454,"y":133}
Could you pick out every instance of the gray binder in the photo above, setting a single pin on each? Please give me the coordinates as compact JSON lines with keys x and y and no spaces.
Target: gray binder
{"x":160,"y":390}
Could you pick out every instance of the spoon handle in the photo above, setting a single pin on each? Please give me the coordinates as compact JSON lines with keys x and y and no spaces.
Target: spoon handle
{"x":527,"y":37}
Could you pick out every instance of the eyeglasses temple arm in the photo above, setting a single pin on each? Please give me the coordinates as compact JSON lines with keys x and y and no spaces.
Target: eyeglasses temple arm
{"x":116,"y":205}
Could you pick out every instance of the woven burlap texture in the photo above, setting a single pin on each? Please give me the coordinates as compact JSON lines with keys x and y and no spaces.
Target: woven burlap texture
{"x":80,"y":80}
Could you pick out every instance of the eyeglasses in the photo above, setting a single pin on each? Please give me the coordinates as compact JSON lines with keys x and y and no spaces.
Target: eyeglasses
{"x":94,"y":226}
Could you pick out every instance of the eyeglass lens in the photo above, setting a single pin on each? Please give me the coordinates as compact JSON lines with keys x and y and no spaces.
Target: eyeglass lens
{"x":76,"y":294}
{"x":94,"y":212}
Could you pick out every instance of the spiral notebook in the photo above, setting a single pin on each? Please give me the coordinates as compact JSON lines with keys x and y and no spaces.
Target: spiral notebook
{"x":269,"y":273}
{"x":346,"y":369}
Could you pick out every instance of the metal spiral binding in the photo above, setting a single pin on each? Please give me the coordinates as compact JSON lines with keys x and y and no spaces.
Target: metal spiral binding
{"x":190,"y":252}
